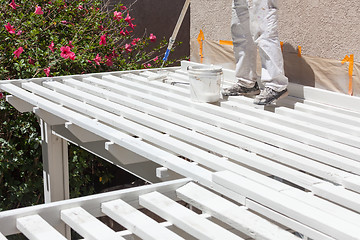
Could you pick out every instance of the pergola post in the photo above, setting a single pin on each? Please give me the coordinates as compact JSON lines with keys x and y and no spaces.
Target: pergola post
{"x":55,"y":169}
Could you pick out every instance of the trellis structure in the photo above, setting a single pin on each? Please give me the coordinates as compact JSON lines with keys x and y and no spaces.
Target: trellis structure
{"x":251,"y":172}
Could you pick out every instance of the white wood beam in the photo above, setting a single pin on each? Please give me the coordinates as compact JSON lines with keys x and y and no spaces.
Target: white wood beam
{"x":236,"y":216}
{"x":87,"y":225}
{"x":290,"y":207}
{"x":137,"y":222}
{"x":55,"y":164}
{"x":123,"y":155}
{"x":36,"y":228}
{"x":82,"y":134}
{"x":184,"y":218}
{"x":51,"y":211}
{"x":50,"y":119}
{"x":18,"y":104}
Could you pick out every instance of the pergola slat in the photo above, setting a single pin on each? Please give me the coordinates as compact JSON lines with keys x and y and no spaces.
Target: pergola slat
{"x":184,"y":218}
{"x":137,"y":222}
{"x":35,"y":227}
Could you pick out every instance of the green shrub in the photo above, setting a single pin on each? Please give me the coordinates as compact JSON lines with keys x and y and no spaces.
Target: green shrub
{"x":56,"y":38}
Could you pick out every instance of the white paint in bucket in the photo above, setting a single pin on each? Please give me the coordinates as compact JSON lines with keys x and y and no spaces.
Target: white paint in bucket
{"x":205,"y":83}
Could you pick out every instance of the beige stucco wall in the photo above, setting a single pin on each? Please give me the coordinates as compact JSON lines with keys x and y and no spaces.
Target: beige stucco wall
{"x":323,"y":28}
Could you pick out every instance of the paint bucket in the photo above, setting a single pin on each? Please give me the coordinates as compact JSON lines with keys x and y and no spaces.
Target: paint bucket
{"x":205,"y":83}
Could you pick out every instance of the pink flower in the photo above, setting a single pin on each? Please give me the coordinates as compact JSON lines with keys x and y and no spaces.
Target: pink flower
{"x":152,"y":37}
{"x":97,"y":59}
{"x":38,"y":10}
{"x":1,"y":95}
{"x":52,"y":46}
{"x":128,"y":47}
{"x":31,"y":61}
{"x":156,"y":58}
{"x":10,"y":28}
{"x":80,"y":7}
{"x":18,"y":52}
{"x":89,"y":61}
{"x":13,"y":4}
{"x":70,"y":45}
{"x":114,"y":54}
{"x":101,"y":27}
{"x":128,"y":19}
{"x":117,"y":15}
{"x":124,"y":33}
{"x":135,"y":41}
{"x":132,"y":25}
{"x":47,"y":71}
{"x":102,"y":40}
{"x":109,"y":62}
{"x":19,"y":33}
{"x":66,"y":53}
{"x":123,"y":8}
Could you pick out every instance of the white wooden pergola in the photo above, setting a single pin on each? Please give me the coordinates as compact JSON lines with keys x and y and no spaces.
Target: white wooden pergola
{"x":250,"y":172}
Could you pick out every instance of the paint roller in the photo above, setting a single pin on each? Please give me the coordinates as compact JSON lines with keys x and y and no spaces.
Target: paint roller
{"x":163,"y":76}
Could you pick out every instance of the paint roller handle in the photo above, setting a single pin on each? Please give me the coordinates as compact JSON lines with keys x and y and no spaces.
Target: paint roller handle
{"x":171,"y":43}
{"x":176,"y":30}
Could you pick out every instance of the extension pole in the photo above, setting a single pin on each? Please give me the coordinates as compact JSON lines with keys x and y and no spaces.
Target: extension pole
{"x":176,"y":30}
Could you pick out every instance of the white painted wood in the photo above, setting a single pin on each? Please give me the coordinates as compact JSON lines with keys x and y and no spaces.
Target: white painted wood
{"x":325,"y":97}
{"x":87,"y":225}
{"x":342,"y":118}
{"x":36,"y":228}
{"x":151,"y":136}
{"x":338,"y":194}
{"x":332,"y":108}
{"x":55,"y":165}
{"x":277,"y":154}
{"x":286,"y":221}
{"x":2,"y":237}
{"x":82,"y":134}
{"x":51,"y":211}
{"x":179,"y":105}
{"x":144,"y":149}
{"x":136,"y":221}
{"x":236,"y":216}
{"x":184,"y":218}
{"x":293,"y":208}
{"x":19,"y":104}
{"x":321,"y":131}
{"x":166,"y":174}
{"x":319,"y":121}
{"x":193,"y":137}
{"x":325,"y":205}
{"x":282,"y":175}
{"x":47,"y":117}
{"x":123,"y":155}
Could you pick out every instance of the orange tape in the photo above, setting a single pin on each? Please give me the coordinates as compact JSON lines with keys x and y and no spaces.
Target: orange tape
{"x":299,"y":51}
{"x":350,"y":60}
{"x":200,"y":40}
{"x":282,"y":46}
{"x":223,"y":42}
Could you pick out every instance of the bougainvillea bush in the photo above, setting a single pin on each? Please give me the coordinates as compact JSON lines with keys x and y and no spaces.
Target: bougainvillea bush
{"x":55,"y":38}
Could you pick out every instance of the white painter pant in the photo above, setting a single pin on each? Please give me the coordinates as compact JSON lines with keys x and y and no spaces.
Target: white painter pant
{"x":254,"y":24}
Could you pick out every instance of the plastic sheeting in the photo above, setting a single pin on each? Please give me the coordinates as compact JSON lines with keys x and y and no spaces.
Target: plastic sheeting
{"x":329,"y":74}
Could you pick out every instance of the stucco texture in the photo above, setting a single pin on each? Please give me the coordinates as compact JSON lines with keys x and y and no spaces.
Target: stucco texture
{"x":323,"y":28}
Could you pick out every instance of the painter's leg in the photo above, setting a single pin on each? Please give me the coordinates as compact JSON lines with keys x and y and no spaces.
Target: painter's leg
{"x":244,"y":52}
{"x":264,"y":24}
{"x":244,"y":46}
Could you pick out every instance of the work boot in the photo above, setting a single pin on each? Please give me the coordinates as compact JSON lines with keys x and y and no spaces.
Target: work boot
{"x":269,"y":95}
{"x":238,"y":90}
